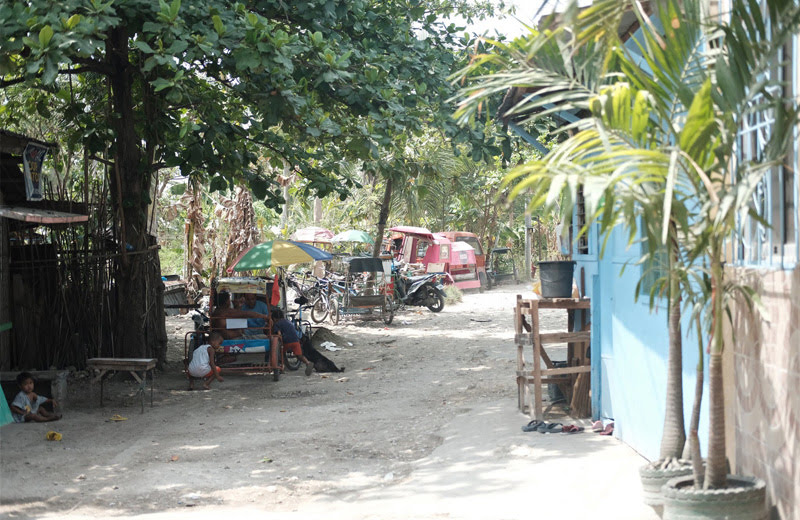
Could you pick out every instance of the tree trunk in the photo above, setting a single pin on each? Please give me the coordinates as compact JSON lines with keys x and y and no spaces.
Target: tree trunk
{"x":716,"y":467}
{"x":383,"y":217}
{"x":317,"y":211}
{"x":139,"y":328}
{"x":673,"y":437}
{"x":694,"y":421}
{"x":5,"y":284}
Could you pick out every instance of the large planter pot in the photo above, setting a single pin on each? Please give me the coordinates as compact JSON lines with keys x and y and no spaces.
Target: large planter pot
{"x":745,"y":498}
{"x":653,"y":479}
{"x":556,"y":278}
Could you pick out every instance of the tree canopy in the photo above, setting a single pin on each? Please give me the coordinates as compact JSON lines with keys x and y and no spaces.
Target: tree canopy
{"x":226,"y":91}
{"x":212,"y":85}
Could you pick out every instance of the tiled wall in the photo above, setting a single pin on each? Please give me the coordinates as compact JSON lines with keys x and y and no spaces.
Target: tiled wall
{"x":766,"y":384}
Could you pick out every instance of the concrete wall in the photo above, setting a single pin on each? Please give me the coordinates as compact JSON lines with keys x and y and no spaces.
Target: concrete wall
{"x":765,"y":404}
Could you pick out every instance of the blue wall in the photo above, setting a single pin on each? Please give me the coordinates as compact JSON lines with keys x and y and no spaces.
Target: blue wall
{"x":629,"y":348}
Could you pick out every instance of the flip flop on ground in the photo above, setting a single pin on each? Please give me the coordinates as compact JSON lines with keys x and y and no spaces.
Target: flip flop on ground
{"x":550,"y":428}
{"x":531,"y":426}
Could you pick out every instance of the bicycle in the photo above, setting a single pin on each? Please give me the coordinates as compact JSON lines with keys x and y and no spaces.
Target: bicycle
{"x":291,"y":361}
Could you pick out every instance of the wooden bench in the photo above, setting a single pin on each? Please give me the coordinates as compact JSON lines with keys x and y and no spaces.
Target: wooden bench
{"x":102,"y":366}
{"x":57,"y":379}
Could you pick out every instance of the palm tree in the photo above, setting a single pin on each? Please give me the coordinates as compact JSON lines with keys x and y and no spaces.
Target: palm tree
{"x":660,"y":145}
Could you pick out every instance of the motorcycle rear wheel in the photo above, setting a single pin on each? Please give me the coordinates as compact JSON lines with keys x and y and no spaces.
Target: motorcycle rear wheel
{"x":439,"y":302}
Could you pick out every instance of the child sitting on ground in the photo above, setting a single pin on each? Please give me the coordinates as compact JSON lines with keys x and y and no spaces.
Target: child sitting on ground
{"x":27,"y":406}
{"x":202,"y":364}
{"x":291,"y":340}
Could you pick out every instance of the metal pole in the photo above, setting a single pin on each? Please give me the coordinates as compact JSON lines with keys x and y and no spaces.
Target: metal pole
{"x":528,"y":228}
{"x":539,"y":237}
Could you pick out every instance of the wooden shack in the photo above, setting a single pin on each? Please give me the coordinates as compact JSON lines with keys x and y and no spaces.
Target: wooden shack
{"x":30,"y":273}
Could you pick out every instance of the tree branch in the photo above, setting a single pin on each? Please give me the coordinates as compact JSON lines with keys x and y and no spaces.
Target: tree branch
{"x":89,"y":66}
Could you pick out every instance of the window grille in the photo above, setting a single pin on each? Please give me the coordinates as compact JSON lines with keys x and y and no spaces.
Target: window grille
{"x":775,"y":198}
{"x":582,"y":245}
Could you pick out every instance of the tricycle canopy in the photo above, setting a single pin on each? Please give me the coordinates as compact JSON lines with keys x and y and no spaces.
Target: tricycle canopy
{"x":249,"y":284}
{"x":368,"y":265}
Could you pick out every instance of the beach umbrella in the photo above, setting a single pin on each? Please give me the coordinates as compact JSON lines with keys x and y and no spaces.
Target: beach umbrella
{"x":312,"y":235}
{"x":273,"y":253}
{"x":353,"y":235}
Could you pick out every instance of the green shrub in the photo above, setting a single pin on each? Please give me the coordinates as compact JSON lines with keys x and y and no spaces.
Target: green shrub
{"x":452,"y":294}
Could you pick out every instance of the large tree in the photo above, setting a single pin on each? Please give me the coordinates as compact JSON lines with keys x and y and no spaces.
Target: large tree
{"x":209,"y":86}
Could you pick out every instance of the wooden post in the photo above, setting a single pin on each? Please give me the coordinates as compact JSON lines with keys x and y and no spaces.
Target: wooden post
{"x":536,"y":408}
{"x":522,"y":381}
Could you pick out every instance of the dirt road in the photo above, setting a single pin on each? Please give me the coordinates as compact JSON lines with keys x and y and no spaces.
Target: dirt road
{"x":274,"y":446}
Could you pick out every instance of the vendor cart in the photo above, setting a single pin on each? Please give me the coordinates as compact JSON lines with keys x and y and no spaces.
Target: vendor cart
{"x":367,"y":291}
{"x":257,"y":349}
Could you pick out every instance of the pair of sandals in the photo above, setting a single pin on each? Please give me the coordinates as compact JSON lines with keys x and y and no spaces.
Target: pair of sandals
{"x":544,"y":427}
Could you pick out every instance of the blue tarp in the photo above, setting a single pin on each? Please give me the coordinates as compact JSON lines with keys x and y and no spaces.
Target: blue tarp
{"x":5,"y":411}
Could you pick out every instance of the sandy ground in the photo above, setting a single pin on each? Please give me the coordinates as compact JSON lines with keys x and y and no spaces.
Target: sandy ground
{"x":293,"y":445}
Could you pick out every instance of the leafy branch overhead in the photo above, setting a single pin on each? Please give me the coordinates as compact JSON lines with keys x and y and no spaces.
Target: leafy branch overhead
{"x":215,"y":84}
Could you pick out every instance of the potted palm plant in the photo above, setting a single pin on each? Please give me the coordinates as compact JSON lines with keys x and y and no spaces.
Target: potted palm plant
{"x":591,"y":80}
{"x":658,"y":156}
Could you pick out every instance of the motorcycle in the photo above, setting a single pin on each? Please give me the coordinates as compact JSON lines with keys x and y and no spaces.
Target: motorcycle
{"x":423,"y":291}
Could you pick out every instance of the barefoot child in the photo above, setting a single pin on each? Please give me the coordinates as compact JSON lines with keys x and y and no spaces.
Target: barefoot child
{"x":202,"y":364}
{"x":26,"y":406}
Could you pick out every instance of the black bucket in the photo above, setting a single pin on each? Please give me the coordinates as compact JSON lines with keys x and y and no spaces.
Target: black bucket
{"x":556,"y":278}
{"x":553,"y":391}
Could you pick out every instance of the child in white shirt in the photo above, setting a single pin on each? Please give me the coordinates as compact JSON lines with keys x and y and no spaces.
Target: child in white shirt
{"x":26,"y":406}
{"x":202,"y":364}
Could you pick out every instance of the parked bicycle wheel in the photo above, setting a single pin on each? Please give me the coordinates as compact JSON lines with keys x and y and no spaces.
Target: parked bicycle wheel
{"x":291,"y":361}
{"x":387,"y":311}
{"x":320,"y":309}
{"x":334,"y":312}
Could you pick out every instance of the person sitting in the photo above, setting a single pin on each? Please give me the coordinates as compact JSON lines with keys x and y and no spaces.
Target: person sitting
{"x":238,"y":301}
{"x":254,"y":325}
{"x":222,"y":311}
{"x":27,"y":406}
{"x":291,"y":340}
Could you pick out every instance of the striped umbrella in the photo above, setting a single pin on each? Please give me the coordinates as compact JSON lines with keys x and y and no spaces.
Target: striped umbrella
{"x":277,"y":253}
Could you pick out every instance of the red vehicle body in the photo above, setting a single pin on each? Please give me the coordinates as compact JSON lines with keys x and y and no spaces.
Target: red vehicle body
{"x":439,"y":254}
{"x":480,"y":256}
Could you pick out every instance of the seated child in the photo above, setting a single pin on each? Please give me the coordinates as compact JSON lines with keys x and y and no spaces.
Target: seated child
{"x":26,"y":406}
{"x":202,"y":364}
{"x":291,"y":341}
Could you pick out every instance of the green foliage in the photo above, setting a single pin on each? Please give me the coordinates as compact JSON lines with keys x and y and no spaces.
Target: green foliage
{"x":452,"y":295}
{"x":216,"y":84}
{"x":658,"y":154}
